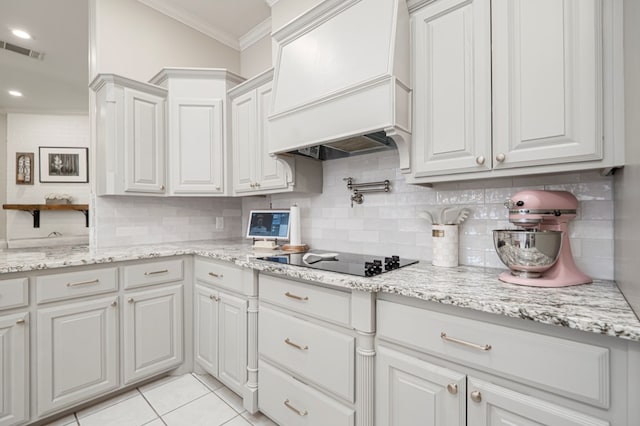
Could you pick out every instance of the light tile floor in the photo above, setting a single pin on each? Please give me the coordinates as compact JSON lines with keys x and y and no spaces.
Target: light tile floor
{"x":188,"y":400}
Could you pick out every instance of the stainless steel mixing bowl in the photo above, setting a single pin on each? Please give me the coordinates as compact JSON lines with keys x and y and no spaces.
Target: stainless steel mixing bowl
{"x":527,"y":253}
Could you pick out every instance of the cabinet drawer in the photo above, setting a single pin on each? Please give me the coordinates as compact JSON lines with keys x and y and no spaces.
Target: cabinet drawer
{"x":290,"y":402}
{"x":316,"y":353}
{"x":14,"y":293}
{"x":219,"y":273}
{"x":330,"y":305}
{"x":572,"y":369}
{"x":158,"y":272}
{"x":76,"y":284}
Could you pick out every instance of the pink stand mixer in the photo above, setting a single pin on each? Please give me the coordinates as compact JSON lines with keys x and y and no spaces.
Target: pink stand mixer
{"x":539,"y":254}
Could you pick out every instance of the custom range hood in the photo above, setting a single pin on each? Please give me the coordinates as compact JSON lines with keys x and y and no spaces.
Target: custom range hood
{"x":341,"y":83}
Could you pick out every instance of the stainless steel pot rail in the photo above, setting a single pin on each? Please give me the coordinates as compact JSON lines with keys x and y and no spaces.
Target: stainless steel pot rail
{"x":369,"y":187}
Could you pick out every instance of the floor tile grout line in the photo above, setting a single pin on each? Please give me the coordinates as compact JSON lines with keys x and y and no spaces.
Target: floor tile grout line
{"x":152,"y":407}
{"x":216,"y":393}
{"x":185,"y":404}
{"x":232,"y":419}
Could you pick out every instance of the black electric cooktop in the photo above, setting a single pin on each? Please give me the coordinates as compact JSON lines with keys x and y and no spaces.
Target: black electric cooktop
{"x":346,"y":263}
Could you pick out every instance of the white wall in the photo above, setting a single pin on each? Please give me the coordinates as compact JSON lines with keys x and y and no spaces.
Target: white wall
{"x":627,"y":180}
{"x":137,"y":41}
{"x":389,"y":224}
{"x":256,"y":58}
{"x":3,"y":179}
{"x":26,"y":133}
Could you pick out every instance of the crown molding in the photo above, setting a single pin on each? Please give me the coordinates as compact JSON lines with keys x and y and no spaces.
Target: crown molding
{"x":194,"y":22}
{"x":255,"y":34}
{"x":271,"y":2}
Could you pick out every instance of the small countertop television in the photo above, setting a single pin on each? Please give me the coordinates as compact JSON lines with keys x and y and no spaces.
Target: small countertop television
{"x":268,"y":225}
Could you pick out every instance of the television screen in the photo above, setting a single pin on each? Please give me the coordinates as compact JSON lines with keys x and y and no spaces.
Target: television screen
{"x":268,"y":224}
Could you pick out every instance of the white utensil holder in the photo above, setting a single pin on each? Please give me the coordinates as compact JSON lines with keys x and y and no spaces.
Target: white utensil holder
{"x":445,"y":245}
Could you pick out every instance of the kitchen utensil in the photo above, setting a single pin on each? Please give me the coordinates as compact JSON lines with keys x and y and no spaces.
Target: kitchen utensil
{"x":543,"y":217}
{"x":311,"y":258}
{"x":527,"y":253}
{"x":426,"y":215}
{"x":463,"y":214}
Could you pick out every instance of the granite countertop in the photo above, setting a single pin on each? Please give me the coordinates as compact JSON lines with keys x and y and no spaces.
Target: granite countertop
{"x":598,"y":308}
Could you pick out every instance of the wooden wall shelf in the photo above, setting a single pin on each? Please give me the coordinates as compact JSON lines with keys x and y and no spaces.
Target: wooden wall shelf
{"x":35,"y":209}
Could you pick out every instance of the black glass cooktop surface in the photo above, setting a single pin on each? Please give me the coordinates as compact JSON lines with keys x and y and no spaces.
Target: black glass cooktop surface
{"x":346,"y":263}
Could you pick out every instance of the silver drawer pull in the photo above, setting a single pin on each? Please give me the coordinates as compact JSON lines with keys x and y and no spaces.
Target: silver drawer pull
{"x":301,"y":413}
{"x":96,"y":281}
{"x":213,"y":274}
{"x":164,"y":271}
{"x":20,"y":321}
{"x":295,"y":345}
{"x":213,"y":297}
{"x":446,"y":338}
{"x":293,"y":296}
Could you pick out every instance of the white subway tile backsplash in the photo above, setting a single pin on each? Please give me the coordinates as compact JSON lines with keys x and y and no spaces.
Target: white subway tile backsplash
{"x":390,"y":222}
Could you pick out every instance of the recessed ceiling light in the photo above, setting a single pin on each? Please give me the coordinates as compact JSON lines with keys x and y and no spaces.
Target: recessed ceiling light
{"x":15,"y":93}
{"x":22,"y":34}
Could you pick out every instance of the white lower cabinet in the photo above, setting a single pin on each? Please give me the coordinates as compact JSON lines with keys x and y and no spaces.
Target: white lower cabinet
{"x":290,"y":402}
{"x":492,"y":405}
{"x":411,"y":391}
{"x":77,"y":352}
{"x":14,"y":369}
{"x":316,"y":359}
{"x":221,"y":335}
{"x":455,"y":371}
{"x":153,"y":332}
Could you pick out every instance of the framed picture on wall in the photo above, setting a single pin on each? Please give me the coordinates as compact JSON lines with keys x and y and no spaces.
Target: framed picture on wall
{"x":24,"y":168}
{"x":68,"y":165}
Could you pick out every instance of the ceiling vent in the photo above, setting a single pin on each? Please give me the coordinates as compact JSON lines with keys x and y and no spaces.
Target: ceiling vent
{"x":21,"y":50}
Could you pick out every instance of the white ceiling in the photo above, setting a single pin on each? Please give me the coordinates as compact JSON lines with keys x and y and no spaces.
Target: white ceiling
{"x":58,"y":83}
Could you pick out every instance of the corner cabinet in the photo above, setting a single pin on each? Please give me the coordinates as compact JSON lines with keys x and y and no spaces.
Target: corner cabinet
{"x":506,"y":87}
{"x":225,"y":326}
{"x":130,"y":136}
{"x":254,"y":169}
{"x":198,"y":130}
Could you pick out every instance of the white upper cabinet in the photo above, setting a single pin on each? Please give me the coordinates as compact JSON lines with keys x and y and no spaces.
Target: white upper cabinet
{"x":452,"y":87}
{"x":547,"y":81}
{"x":509,"y":87}
{"x":254,"y":170}
{"x":198,"y":123}
{"x":130,"y":136}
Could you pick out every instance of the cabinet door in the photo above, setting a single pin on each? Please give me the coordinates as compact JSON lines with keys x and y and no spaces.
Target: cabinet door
{"x":492,"y":405}
{"x":410,"y":391}
{"x":547,"y":81}
{"x":144,"y":142}
{"x":271,"y":172}
{"x":232,"y":340}
{"x":452,"y":87}
{"x":196,"y":146}
{"x":14,"y":369}
{"x":152,"y":332}
{"x":206,"y":329}
{"x":77,"y":353}
{"x":244,"y":136}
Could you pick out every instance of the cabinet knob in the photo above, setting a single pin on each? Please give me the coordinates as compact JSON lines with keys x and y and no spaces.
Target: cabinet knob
{"x":20,"y":321}
{"x":480,"y":160}
{"x":257,"y":184}
{"x":162,"y":187}
{"x":114,"y":303}
{"x":217,"y":188}
{"x":500,"y":158}
{"x":130,"y":300}
{"x":213,"y":297}
{"x":452,"y":388}
{"x":476,"y":396}
{"x":253,"y":185}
